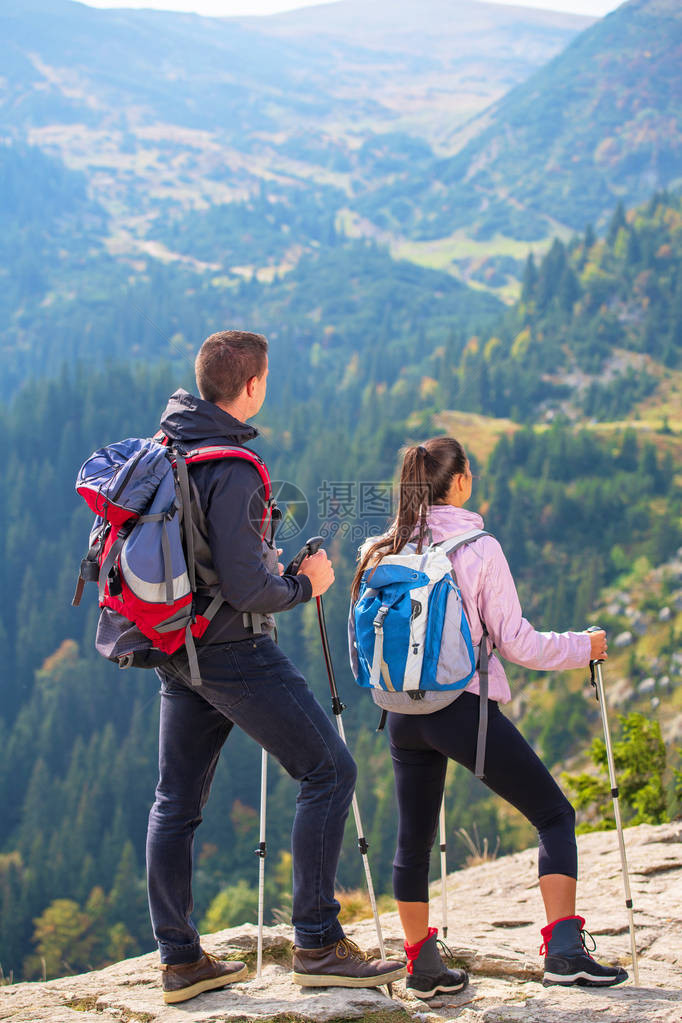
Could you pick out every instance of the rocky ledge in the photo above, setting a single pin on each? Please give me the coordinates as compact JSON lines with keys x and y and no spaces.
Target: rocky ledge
{"x":494,"y":919}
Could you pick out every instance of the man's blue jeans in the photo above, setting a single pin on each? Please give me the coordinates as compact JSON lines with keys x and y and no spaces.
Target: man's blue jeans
{"x":251,"y":684}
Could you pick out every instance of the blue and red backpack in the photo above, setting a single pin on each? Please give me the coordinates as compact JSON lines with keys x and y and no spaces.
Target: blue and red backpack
{"x":141,"y":552}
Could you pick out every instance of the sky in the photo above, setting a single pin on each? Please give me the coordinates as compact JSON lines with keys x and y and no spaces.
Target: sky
{"x":225,"y":8}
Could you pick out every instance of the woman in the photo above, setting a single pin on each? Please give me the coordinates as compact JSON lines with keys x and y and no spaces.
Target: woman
{"x":435,"y":484}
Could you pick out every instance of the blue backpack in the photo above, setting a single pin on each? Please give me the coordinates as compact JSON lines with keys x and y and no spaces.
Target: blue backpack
{"x":406,"y":601}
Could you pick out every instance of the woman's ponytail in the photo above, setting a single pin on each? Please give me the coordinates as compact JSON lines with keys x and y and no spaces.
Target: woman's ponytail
{"x":425,"y":479}
{"x":414,"y":498}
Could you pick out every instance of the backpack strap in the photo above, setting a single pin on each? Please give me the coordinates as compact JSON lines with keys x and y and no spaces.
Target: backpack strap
{"x":210,"y":453}
{"x":185,"y":499}
{"x":413,"y":542}
{"x":482,"y":704}
{"x":190,"y":645}
{"x":89,"y":570}
{"x":453,"y":543}
{"x":375,"y":673}
{"x":450,"y":545}
{"x":216,"y":452}
{"x":109,"y":563}
{"x":268,"y":519}
{"x":192,"y":659}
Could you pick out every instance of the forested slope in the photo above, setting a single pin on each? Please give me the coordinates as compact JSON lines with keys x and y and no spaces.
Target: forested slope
{"x":65,"y":293}
{"x":443,"y":129}
{"x":598,"y":327}
{"x":576,"y":507}
{"x":601,"y":121}
{"x":163,"y":176}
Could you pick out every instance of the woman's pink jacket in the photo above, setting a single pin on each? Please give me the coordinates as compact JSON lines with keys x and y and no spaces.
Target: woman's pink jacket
{"x":489,"y":594}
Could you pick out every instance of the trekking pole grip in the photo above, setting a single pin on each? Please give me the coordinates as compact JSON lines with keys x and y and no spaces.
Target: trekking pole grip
{"x":595,"y":665}
{"x":595,"y":628}
{"x":309,"y":548}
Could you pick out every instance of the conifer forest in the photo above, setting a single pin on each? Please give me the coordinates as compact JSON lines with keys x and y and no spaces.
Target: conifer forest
{"x":401,"y":300}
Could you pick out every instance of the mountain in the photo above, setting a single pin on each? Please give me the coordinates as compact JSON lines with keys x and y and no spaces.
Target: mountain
{"x":436,"y":129}
{"x":155,"y":186}
{"x":442,"y":56}
{"x":357,"y":371}
{"x":344,"y":63}
{"x":168,"y":112}
{"x":67,"y":64}
{"x":597,"y":330}
{"x":444,"y":28}
{"x":279,"y":267}
{"x":601,"y":122}
{"x":51,"y":232}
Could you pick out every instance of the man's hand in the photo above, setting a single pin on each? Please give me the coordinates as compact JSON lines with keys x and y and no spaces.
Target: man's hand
{"x":280,"y":566}
{"x":319,"y":570}
{"x":598,"y":646}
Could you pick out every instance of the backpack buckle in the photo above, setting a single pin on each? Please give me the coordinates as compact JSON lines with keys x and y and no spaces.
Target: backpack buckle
{"x":89,"y":570}
{"x":114,"y":582}
{"x":380,"y":618}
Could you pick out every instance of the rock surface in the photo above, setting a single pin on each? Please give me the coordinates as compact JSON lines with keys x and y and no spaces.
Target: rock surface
{"x":494,"y":918}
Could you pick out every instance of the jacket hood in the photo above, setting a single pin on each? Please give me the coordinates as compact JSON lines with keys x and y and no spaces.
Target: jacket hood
{"x":445,"y":520}
{"x":189,"y":419}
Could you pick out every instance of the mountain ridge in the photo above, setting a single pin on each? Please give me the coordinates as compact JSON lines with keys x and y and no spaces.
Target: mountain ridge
{"x":600,"y":122}
{"x":116,"y":72}
{"x":384,"y":22}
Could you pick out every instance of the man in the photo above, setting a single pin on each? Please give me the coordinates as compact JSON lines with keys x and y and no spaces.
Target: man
{"x":246,"y":681}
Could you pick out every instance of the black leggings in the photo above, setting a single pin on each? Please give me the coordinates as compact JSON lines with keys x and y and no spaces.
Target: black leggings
{"x":420,"y":747}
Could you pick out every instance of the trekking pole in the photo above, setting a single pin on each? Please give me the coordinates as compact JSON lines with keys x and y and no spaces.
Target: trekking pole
{"x":598,"y":683}
{"x":261,"y":853}
{"x":363,"y":845}
{"x":311,"y":547}
{"x":443,"y":870}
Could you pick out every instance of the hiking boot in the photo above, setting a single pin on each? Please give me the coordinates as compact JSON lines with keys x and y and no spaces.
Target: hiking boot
{"x":181,"y":981}
{"x":427,"y":974}
{"x":343,"y":964}
{"x":567,"y":959}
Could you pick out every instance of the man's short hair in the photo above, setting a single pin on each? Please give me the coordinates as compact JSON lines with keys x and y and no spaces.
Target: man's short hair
{"x":226,"y":361}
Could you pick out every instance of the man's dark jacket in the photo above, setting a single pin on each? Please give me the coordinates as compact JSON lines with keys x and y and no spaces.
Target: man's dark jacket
{"x":232,"y":499}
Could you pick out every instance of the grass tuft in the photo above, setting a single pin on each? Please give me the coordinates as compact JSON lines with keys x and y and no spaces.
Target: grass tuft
{"x":88,"y":1004}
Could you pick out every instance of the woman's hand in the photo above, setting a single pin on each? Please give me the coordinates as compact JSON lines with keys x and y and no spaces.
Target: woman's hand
{"x":598,"y":646}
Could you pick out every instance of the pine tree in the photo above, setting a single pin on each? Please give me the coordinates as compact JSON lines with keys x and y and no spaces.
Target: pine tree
{"x":617,"y":222}
{"x":640,"y":759}
{"x":127,"y":898}
{"x":63,"y":940}
{"x":236,"y":904}
{"x":589,"y":240}
{"x":11,"y":913}
{"x":530,"y":278}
